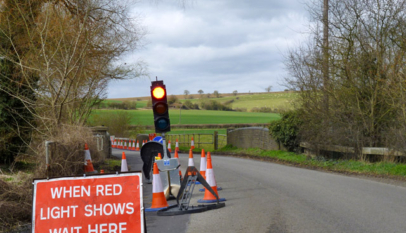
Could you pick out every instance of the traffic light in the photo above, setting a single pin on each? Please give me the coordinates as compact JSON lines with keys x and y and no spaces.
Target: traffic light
{"x":160,"y":107}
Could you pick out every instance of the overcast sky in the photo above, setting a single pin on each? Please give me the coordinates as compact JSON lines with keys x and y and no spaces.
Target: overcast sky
{"x":222,"y":45}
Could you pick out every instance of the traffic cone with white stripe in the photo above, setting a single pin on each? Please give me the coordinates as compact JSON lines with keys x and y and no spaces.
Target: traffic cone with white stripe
{"x":143,"y":142}
{"x":169,"y":146}
{"x":208,"y":196}
{"x":177,"y":156}
{"x":133,"y":147}
{"x":177,"y":145}
{"x":192,"y":144}
{"x":125,"y":145}
{"x":190,"y":162}
{"x":88,"y":165}
{"x":124,"y":166}
{"x":158,"y":197}
{"x":113,"y":145}
{"x":137,"y":148}
{"x":202,"y":166}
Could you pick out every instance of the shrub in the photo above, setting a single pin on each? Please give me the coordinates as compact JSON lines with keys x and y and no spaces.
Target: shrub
{"x":240,"y":109}
{"x":214,"y":105}
{"x":286,"y":130}
{"x":189,"y":105}
{"x":172,"y":99}
{"x":118,"y":122}
{"x":264,"y":109}
{"x":128,"y":104}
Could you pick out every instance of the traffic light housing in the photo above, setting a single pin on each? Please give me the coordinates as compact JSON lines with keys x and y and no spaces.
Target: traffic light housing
{"x":160,"y":107}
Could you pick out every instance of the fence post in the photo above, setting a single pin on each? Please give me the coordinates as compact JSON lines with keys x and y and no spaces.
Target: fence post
{"x":216,"y":140}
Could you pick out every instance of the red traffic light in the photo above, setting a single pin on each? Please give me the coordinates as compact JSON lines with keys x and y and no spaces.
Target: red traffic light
{"x":160,"y":107}
{"x":158,"y":92}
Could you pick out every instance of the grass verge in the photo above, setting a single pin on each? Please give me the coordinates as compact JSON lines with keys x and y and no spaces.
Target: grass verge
{"x":380,"y":169}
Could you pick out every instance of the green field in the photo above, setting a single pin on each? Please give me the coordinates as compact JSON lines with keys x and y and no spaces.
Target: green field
{"x":145,"y":117}
{"x":274,"y":100}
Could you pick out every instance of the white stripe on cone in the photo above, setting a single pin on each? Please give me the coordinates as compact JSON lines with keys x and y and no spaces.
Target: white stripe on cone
{"x":203,"y":164}
{"x":210,"y":178}
{"x":157,"y":184}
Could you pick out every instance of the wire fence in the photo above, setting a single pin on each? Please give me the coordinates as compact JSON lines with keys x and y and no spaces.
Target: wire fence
{"x":201,"y":140}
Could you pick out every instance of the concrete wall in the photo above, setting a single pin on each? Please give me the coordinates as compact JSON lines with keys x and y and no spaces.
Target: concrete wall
{"x":252,"y":137}
{"x":102,"y":133}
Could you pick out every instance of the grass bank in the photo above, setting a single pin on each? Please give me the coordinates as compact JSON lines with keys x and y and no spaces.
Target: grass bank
{"x":379,"y":169}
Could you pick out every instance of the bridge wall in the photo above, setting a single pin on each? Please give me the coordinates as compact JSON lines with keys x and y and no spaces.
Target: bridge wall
{"x":253,"y":137}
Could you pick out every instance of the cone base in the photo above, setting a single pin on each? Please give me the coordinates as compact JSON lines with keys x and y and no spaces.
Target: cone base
{"x":210,"y":201}
{"x":154,"y":209}
{"x":218,"y":189}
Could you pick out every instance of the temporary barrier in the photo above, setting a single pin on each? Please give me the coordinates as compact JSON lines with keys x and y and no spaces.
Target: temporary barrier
{"x":186,"y":191}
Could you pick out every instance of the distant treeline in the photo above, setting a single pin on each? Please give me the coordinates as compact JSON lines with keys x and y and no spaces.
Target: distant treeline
{"x":125,"y":105}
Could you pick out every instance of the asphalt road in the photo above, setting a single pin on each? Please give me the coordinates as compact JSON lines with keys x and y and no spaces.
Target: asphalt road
{"x":267,"y":197}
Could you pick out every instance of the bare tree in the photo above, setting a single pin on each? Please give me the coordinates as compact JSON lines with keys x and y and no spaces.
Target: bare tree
{"x":268,"y":89}
{"x":66,"y":57}
{"x":186,"y":93}
{"x":366,"y":81}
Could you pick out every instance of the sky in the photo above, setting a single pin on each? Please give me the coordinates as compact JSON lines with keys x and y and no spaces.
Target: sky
{"x":214,"y":45}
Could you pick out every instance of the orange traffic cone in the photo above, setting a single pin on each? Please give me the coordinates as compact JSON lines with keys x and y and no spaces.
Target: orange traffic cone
{"x":169,"y":146}
{"x":159,"y":156}
{"x":158,"y":197}
{"x":192,"y":144}
{"x":125,"y":145}
{"x":113,"y":144}
{"x":88,"y":167}
{"x":137,"y":148}
{"x":121,"y":144}
{"x":190,"y":163}
{"x":143,"y":142}
{"x":124,"y":166}
{"x":177,"y":156}
{"x":177,"y":145}
{"x":208,"y":196}
{"x":101,"y":171}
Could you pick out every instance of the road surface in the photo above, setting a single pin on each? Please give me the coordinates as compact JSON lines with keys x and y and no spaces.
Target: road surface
{"x":267,"y":197}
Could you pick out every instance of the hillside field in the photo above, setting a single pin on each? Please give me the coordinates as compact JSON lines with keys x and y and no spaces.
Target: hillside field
{"x":275,"y":100}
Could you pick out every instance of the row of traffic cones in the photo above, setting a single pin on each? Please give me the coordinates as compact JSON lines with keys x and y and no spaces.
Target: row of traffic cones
{"x":88,"y":165}
{"x":206,"y":170}
{"x":122,"y":144}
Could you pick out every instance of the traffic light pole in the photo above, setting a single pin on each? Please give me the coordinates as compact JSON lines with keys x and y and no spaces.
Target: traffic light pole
{"x":164,"y":145}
